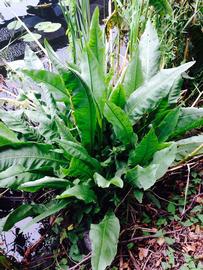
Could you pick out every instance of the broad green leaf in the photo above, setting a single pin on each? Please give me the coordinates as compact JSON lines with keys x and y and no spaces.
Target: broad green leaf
{"x":138,"y":195}
{"x":120,"y":121}
{"x":84,"y":110}
{"x":6,"y":263}
{"x":81,"y":192}
{"x":149,"y":52}
{"x":45,"y":125}
{"x":64,"y":131}
{"x":32,"y":156}
{"x":45,"y":182}
{"x":78,"y":151}
{"x":145,"y":177}
{"x":189,"y":118}
{"x":187,"y":147}
{"x":168,"y":125}
{"x":92,"y":74}
{"x":50,"y":209}
{"x":103,"y":183}
{"x":175,"y":91}
{"x":96,"y":39}
{"x":164,"y":159}
{"x":133,"y":76}
{"x":142,"y":177}
{"x":16,"y":175}
{"x":162,"y":6}
{"x":7,"y":137}
{"x":78,"y":168}
{"x":59,"y":66}
{"x":145,"y":150}
{"x":17,"y":122}
{"x":48,"y":78}
{"x":18,"y":214}
{"x":104,"y":237}
{"x":146,"y":98}
{"x":118,"y":96}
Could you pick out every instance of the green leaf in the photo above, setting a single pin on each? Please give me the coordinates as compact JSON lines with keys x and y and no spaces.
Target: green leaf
{"x":145,"y":150}
{"x":6,"y":263}
{"x":103,"y":183}
{"x":168,"y":125}
{"x":17,"y":122}
{"x":120,"y":121}
{"x":23,"y":211}
{"x":83,"y":106}
{"x":32,"y":156}
{"x":146,"y":98}
{"x":145,"y":177}
{"x":45,"y":182}
{"x":7,"y":137}
{"x":104,"y":237}
{"x":133,"y":76}
{"x":92,"y":74}
{"x":187,"y":146}
{"x":118,"y":96}
{"x":140,"y":177}
{"x":96,"y":38}
{"x":78,"y":168}
{"x":189,"y":118}
{"x":175,"y":92}
{"x":16,"y":175}
{"x":138,"y":195}
{"x":50,"y":208}
{"x":164,"y":159}
{"x":79,"y":152}
{"x":81,"y":192}
{"x":64,"y":131}
{"x":59,"y":66}
{"x":48,"y":78}
{"x":162,"y":6}
{"x":149,"y":52}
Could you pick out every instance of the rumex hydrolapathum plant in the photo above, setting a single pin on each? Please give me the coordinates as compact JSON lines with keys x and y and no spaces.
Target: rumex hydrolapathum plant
{"x":83,"y":134}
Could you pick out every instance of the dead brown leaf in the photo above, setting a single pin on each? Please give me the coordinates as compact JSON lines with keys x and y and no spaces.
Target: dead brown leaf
{"x":143,"y":252}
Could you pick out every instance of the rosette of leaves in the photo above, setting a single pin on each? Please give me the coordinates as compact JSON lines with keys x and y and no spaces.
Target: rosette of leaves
{"x":88,"y":137}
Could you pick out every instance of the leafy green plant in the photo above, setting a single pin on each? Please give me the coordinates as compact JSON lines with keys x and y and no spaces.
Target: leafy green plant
{"x":88,"y":134}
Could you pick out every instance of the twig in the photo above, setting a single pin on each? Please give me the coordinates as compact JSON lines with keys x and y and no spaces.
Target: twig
{"x":186,"y":189}
{"x":140,"y":238}
{"x":83,"y":261}
{"x":145,"y":264}
{"x":122,"y":200}
{"x":191,"y":205}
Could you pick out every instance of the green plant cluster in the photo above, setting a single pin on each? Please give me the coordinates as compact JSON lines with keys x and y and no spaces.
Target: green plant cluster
{"x":91,"y":134}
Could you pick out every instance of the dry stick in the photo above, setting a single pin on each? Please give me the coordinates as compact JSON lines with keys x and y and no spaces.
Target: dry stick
{"x":147,"y":260}
{"x":192,"y":203}
{"x":83,"y":261}
{"x":186,"y":189}
{"x":199,"y":96}
{"x":188,"y":157}
{"x":140,"y":238}
{"x":122,"y":200}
